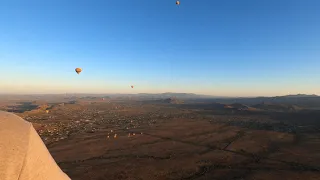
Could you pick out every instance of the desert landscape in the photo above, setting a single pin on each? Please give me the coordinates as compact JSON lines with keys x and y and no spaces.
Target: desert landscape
{"x":166,"y":89}
{"x":176,"y":136}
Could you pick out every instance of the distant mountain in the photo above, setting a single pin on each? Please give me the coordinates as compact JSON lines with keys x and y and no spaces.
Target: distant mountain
{"x":173,"y":95}
{"x":304,"y":101}
{"x":171,"y":100}
{"x":299,"y":100}
{"x":298,"y":96}
{"x":276,"y":107}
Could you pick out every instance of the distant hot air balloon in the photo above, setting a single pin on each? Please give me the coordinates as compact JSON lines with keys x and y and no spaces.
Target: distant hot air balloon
{"x":177,"y":2}
{"x":78,"y":70}
{"x":131,"y":86}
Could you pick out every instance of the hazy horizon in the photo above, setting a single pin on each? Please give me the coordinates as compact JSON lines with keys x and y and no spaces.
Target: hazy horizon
{"x":222,"y":48}
{"x":106,"y":94}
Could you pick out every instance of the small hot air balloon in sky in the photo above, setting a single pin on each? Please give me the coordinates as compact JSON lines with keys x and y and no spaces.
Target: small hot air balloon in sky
{"x":177,"y":2}
{"x":78,"y":70}
{"x":131,"y":86}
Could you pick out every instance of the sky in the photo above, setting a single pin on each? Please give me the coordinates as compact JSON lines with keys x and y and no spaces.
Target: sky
{"x":214,"y":47}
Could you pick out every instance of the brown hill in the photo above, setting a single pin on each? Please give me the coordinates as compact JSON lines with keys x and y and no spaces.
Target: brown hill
{"x":173,"y":101}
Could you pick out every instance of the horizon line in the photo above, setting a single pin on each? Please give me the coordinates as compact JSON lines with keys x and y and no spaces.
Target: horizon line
{"x":212,"y":96}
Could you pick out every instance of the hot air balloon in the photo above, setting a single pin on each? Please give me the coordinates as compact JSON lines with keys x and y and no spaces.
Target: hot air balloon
{"x":78,"y":70}
{"x":177,"y":2}
{"x":131,"y":86}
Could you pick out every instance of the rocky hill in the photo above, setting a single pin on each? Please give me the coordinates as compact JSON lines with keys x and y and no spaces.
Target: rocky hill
{"x":173,"y":101}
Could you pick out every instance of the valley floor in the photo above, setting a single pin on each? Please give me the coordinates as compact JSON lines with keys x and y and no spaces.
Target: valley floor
{"x":157,"y":142}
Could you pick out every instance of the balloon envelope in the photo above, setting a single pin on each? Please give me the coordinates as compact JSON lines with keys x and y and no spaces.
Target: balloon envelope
{"x":177,"y":2}
{"x":78,"y":70}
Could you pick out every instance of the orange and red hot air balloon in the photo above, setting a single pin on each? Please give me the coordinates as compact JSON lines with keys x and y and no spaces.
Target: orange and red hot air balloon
{"x":78,"y":70}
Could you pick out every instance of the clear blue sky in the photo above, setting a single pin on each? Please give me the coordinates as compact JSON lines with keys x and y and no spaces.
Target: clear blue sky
{"x":218,"y":47}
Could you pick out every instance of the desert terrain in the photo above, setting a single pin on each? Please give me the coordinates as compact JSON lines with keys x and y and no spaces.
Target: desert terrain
{"x":145,"y":137}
